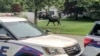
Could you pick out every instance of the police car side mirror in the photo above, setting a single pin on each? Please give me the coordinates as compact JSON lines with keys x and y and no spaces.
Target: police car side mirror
{"x":4,"y":37}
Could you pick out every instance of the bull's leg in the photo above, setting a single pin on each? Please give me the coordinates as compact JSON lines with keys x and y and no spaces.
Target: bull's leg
{"x":58,"y":22}
{"x":48,"y":23}
{"x":54,"y":23}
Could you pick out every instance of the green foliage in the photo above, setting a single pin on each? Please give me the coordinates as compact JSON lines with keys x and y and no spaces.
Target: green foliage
{"x":5,"y":5}
{"x":16,"y":7}
{"x":30,"y":5}
{"x":72,"y":8}
{"x":57,"y":3}
{"x":91,"y":8}
{"x":94,"y":10}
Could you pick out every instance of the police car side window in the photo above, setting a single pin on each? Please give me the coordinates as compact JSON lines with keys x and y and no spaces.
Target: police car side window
{"x":96,"y":30}
{"x":2,"y":30}
{"x":3,"y":34}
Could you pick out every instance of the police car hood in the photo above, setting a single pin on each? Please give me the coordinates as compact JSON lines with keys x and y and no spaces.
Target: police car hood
{"x":51,"y":41}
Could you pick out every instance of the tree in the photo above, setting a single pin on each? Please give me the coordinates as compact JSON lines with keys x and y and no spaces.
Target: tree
{"x":74,"y":8}
{"x":16,"y":8}
{"x":41,"y":4}
{"x":34,"y":6}
{"x":89,"y":7}
{"x":5,"y":5}
{"x":29,"y":5}
{"x":59,"y":4}
{"x":92,"y":8}
{"x":95,"y":10}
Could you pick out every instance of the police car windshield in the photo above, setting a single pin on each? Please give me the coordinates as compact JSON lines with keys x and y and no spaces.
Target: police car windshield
{"x":23,"y":29}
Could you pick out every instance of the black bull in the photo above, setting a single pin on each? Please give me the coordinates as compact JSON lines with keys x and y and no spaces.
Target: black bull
{"x":53,"y":20}
{"x":50,"y":18}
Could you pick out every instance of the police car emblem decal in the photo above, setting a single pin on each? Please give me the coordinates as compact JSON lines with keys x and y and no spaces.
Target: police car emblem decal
{"x":28,"y":50}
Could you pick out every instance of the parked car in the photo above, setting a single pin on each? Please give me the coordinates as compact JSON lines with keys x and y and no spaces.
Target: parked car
{"x":92,"y":41}
{"x":44,"y":15}
{"x":19,"y":37}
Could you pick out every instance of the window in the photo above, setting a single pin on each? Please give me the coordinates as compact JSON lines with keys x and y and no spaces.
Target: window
{"x":96,"y":30}
{"x":3,"y":33}
{"x":23,"y":29}
{"x":2,"y":30}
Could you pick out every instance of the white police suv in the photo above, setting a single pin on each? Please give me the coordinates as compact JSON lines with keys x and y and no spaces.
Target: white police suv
{"x":92,"y":41}
{"x":19,"y":37}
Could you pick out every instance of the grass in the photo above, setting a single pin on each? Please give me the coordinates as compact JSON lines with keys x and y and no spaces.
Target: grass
{"x":68,"y":27}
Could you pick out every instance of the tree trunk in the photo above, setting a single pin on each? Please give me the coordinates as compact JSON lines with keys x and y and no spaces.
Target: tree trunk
{"x":76,"y":16}
{"x":35,"y":19}
{"x":59,"y":14}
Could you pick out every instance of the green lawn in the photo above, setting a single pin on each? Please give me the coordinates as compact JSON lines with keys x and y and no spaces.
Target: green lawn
{"x":68,"y":27}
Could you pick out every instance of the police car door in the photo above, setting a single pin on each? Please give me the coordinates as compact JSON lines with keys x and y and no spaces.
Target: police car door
{"x":5,"y":46}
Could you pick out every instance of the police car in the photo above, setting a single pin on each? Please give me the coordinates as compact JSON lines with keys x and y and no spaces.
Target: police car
{"x":92,"y":41}
{"x":19,"y":37}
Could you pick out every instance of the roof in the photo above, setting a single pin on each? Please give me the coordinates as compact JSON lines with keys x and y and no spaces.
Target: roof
{"x":11,"y":19}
